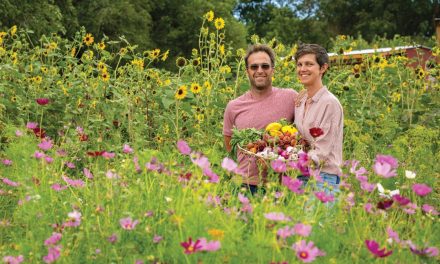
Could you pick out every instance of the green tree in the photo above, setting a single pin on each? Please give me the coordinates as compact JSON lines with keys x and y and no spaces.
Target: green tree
{"x":41,"y":16}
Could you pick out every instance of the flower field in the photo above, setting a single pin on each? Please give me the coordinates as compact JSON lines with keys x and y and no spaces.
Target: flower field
{"x":107,"y":158}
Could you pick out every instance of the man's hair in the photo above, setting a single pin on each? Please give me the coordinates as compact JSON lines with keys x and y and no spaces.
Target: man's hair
{"x":260,"y":48}
{"x":320,"y":53}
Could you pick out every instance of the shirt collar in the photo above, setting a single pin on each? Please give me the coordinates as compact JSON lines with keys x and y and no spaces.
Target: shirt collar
{"x":319,"y":94}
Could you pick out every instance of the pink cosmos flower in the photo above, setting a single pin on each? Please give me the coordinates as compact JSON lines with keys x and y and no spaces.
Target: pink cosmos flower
{"x":38,"y":155}
{"x":70,"y":165}
{"x":13,"y":260}
{"x":31,"y":125}
{"x":87,"y":173}
{"x":306,"y":252}
{"x":429,"y":209}
{"x":384,"y":204}
{"x":209,"y":246}
{"x":393,"y":235}
{"x":74,"y":183}
{"x":108,"y":155}
{"x":113,"y":238}
{"x":293,"y":185}
{"x":48,"y":159}
{"x":373,"y":247}
{"x":421,"y":189}
{"x":128,"y":223}
{"x":18,"y":133}
{"x":213,"y":177}
{"x":285,"y":232}
{"x":368,"y":207}
{"x":58,"y":187}
{"x":42,"y":101}
{"x":229,"y":164}
{"x":7,"y":162}
{"x":74,"y":219}
{"x":111,"y":175}
{"x":53,"y":254}
{"x":191,"y":246}
{"x":45,"y":144}
{"x":200,"y":160}
{"x":429,"y":251}
{"x":385,"y":166}
{"x":127,"y":149}
{"x":278,"y":166}
{"x":157,"y":239}
{"x":213,"y":200}
{"x":323,"y":197}
{"x":246,"y":205}
{"x":53,"y":239}
{"x":369,"y":187}
{"x":302,"y":230}
{"x":410,"y":208}
{"x":274,"y":216}
{"x":183,"y":147}
{"x":136,"y":164}
{"x":10,"y":183}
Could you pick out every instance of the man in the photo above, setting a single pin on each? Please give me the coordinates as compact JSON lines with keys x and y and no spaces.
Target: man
{"x":261,"y":105}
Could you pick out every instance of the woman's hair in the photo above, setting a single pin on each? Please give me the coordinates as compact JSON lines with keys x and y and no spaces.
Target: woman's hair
{"x":260,"y":48}
{"x":319,"y":51}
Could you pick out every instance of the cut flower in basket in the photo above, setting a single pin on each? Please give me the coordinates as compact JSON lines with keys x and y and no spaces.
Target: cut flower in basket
{"x":279,"y":140}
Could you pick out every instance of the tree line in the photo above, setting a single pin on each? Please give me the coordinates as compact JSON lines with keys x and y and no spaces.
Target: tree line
{"x":175,"y":24}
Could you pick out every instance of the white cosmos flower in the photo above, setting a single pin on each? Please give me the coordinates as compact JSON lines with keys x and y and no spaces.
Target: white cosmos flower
{"x":410,"y":174}
{"x":386,"y":193}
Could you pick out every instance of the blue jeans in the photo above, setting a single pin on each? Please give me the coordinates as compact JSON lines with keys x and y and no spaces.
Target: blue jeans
{"x":332,"y":180}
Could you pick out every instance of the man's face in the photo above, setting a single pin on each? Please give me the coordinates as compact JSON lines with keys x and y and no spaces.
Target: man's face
{"x":260,"y":71}
{"x":308,"y":70}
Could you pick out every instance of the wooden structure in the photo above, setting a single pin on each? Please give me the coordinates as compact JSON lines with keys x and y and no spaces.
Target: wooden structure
{"x":418,"y":55}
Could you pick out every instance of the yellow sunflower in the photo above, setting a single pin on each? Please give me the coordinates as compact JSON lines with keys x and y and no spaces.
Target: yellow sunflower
{"x":105,"y":76}
{"x":88,"y":39}
{"x":165,"y":55}
{"x":153,"y":54}
{"x":180,"y":62}
{"x":101,"y":45}
{"x":209,"y":16}
{"x":219,"y":23}
{"x":195,"y":88}
{"x":181,"y":92}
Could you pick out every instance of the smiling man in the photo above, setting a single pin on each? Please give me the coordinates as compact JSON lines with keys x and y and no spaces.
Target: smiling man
{"x":261,"y":105}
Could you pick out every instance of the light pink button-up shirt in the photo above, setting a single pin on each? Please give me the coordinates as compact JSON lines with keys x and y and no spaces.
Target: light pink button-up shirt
{"x":323,"y":111}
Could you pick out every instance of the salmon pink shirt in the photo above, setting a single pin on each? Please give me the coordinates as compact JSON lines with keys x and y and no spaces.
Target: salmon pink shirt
{"x":323,"y":111}
{"x":248,"y":112}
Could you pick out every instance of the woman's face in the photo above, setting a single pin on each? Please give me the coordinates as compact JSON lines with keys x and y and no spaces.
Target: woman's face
{"x":308,"y":70}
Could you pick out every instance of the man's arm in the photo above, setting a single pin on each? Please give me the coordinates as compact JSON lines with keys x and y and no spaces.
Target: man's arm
{"x":228,"y":143}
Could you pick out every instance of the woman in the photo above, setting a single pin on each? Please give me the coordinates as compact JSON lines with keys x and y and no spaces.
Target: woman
{"x":318,"y":115}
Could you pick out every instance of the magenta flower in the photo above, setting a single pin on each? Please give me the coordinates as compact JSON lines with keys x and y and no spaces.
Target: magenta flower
{"x":277,"y":217}
{"x":74,"y":219}
{"x":246,"y":205}
{"x":410,"y":208}
{"x":128,"y":223}
{"x":45,"y":145}
{"x":13,"y":260}
{"x":48,"y":159}
{"x":302,"y":230}
{"x":31,"y":125}
{"x":229,"y":164}
{"x":373,"y":247}
{"x":200,"y":160}
{"x":385,"y":204}
{"x":306,"y":252}
{"x":136,"y":164}
{"x":183,"y":147}
{"x":385,"y":166}
{"x":18,"y":133}
{"x":42,"y":101}
{"x":213,"y":177}
{"x":10,"y":183}
{"x":293,"y":185}
{"x":278,"y":166}
{"x":368,"y":207}
{"x":53,"y":254}
{"x":53,"y":239}
{"x":209,"y":246}
{"x":429,"y":251}
{"x":401,"y":199}
{"x":127,"y":149}
{"x":7,"y":162}
{"x":421,"y":189}
{"x":323,"y":197}
{"x":285,"y":232}
{"x":191,"y":246}
{"x":70,"y":165}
